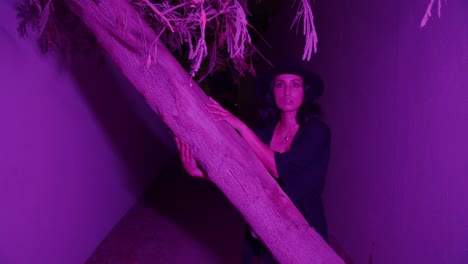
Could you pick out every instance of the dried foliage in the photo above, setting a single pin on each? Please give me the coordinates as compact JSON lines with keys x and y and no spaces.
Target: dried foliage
{"x":428,"y":12}
{"x":308,"y":29}
{"x":214,"y":33}
{"x":56,"y":26}
{"x":216,"y":30}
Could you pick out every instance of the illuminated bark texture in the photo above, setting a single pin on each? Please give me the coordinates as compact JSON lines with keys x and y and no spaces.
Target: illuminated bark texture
{"x":181,"y":104}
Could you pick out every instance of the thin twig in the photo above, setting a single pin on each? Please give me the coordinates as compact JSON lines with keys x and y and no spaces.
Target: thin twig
{"x":44,"y":17}
{"x":428,"y":12}
{"x":174,"y":8}
{"x":311,"y":38}
{"x":160,"y":15}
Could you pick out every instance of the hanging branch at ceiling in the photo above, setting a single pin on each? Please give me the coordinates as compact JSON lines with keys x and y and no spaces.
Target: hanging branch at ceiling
{"x":308,"y":28}
{"x":200,"y":24}
{"x":428,"y":12}
{"x":211,"y":34}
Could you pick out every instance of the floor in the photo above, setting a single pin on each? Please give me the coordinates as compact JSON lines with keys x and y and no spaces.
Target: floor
{"x":178,"y":220}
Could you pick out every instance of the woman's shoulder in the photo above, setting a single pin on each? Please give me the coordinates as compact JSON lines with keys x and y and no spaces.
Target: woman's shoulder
{"x":317,"y":126}
{"x":314,"y":135}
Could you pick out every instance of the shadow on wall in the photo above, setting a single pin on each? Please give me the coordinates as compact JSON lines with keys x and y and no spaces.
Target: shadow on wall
{"x":138,"y":135}
{"x":179,"y":220}
{"x":177,"y":213}
{"x":201,"y":210}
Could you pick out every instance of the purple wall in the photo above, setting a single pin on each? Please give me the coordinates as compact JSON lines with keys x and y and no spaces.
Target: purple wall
{"x":396,"y":101}
{"x":74,"y":157}
{"x":77,"y":148}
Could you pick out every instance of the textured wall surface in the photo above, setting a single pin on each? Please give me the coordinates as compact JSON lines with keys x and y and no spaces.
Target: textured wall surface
{"x":77,"y":148}
{"x":396,"y":101}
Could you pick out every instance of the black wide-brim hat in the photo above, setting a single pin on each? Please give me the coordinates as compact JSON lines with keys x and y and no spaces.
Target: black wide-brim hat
{"x":290,"y":66}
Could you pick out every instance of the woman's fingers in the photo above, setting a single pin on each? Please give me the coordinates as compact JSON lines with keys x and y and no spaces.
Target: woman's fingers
{"x":187,"y":151}
{"x":213,"y":100}
{"x":184,"y":150}
{"x":186,"y":155}
{"x":215,"y":105}
{"x":253,"y":233}
{"x":190,"y":154}
{"x":181,"y":148}
{"x":177,"y":143}
{"x":216,"y":109}
{"x":219,"y":112}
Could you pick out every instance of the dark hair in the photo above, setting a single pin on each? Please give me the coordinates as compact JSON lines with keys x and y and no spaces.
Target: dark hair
{"x":309,"y":109}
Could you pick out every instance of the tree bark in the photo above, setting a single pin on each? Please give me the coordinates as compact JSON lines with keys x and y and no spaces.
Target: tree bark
{"x":181,"y":104}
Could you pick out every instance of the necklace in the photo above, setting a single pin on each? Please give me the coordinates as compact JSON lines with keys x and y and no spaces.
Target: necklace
{"x":290,"y":133}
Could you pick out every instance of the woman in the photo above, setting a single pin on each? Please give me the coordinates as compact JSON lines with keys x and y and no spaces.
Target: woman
{"x":293,"y":145}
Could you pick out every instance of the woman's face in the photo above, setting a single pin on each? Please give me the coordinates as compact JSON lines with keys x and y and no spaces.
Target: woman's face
{"x":288,"y":91}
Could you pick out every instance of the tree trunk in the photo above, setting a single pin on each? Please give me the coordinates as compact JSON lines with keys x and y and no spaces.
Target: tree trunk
{"x":181,"y":104}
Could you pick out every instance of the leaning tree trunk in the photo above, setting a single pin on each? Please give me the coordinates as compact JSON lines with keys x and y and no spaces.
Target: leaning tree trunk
{"x":181,"y":104}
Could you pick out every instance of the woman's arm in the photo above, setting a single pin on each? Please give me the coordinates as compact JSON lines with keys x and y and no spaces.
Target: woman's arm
{"x":263,"y":152}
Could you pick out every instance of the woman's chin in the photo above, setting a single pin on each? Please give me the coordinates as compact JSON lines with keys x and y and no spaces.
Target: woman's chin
{"x":288,"y":109}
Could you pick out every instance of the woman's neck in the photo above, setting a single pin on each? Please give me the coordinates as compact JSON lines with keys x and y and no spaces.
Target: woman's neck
{"x":288,"y":120}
